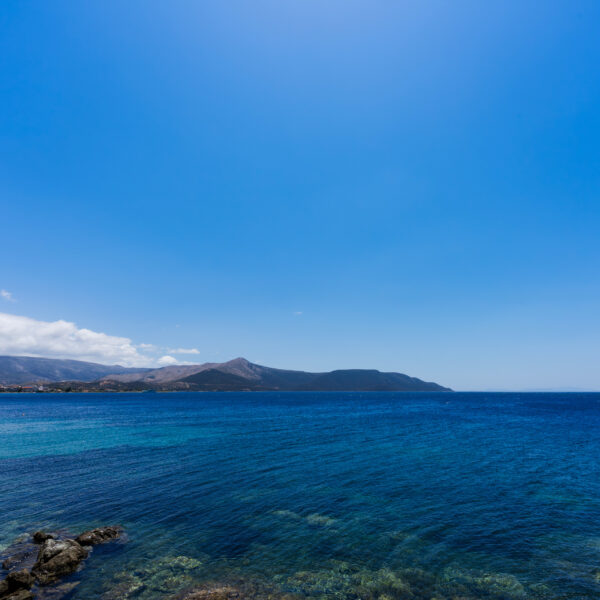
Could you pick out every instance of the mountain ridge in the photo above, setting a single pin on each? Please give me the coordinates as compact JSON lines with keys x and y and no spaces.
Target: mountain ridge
{"x":238,"y":374}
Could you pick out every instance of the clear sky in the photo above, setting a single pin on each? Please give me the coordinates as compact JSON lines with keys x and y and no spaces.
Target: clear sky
{"x":409,"y":186}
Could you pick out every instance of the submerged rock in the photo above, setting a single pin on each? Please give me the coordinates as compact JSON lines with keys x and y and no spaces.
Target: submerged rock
{"x":99,"y":535}
{"x":345,"y":581}
{"x":237,"y":589}
{"x":56,"y":559}
{"x":19,"y":595}
{"x":56,"y":592}
{"x":224,"y":592}
{"x":17,"y":559}
{"x":312,"y":519}
{"x":19,"y":555}
{"x":155,"y":579}
{"x":317,"y":519}
{"x":495,"y":585}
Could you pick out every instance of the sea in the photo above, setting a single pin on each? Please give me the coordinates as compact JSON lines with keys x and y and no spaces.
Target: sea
{"x":385,"y":496}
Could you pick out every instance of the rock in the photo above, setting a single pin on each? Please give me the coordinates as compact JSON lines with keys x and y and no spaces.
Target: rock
{"x":57,"y":558}
{"x":16,"y":586}
{"x":99,"y":535}
{"x":217,"y":592}
{"x":41,"y":536}
{"x":20,"y":580}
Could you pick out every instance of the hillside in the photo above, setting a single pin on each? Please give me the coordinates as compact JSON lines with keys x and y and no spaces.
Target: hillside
{"x":240,"y":374}
{"x":18,"y":370}
{"x":235,"y":375}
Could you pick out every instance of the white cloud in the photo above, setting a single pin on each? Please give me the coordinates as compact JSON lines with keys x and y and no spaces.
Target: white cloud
{"x":146,"y":346}
{"x":166,"y":361}
{"x":62,"y":339}
{"x":297,"y":313}
{"x":6,"y":295}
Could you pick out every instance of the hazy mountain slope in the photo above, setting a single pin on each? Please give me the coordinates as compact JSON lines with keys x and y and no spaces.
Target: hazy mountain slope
{"x":18,"y":370}
{"x":162,"y":375}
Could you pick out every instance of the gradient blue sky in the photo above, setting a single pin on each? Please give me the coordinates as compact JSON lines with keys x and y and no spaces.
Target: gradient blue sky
{"x":408,"y":186}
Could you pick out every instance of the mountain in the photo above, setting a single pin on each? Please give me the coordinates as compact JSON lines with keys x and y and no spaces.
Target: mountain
{"x":273,"y":378}
{"x":214,"y":379}
{"x":240,"y":374}
{"x":235,"y":375}
{"x":17,"y":370}
{"x":370,"y":381}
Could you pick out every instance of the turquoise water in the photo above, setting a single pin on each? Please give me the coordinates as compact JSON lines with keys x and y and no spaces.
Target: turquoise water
{"x":316,"y":495}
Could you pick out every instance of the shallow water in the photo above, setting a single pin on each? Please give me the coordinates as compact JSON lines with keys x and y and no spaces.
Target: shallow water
{"x":320,"y":495}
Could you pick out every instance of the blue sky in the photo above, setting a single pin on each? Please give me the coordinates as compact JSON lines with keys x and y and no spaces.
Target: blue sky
{"x":405,"y":186}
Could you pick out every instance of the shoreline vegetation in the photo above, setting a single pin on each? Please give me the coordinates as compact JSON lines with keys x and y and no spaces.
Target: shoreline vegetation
{"x":29,"y":374}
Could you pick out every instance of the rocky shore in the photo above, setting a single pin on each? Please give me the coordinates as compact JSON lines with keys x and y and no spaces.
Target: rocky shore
{"x":39,"y":566}
{"x":45,"y":559}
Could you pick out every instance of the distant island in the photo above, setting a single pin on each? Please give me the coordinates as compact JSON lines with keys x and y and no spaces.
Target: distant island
{"x":30,"y":374}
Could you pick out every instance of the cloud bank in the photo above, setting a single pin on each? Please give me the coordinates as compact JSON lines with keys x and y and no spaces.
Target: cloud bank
{"x":62,"y":339}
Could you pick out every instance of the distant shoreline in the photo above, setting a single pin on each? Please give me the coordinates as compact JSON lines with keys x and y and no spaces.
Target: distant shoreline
{"x":31,"y":374}
{"x":152,"y":391}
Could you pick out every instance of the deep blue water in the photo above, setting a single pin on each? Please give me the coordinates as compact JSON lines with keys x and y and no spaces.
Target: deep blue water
{"x":320,"y":495}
